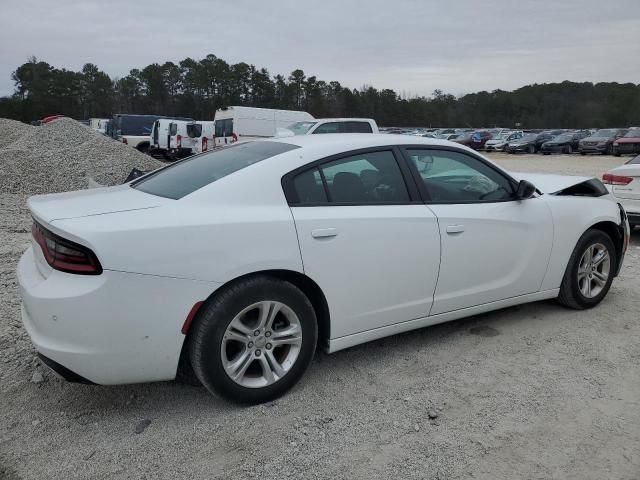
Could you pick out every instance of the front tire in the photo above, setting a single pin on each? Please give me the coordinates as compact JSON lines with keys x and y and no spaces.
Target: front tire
{"x":253,"y":341}
{"x":590,"y":271}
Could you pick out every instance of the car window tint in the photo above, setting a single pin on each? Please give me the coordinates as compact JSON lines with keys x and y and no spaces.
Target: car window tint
{"x":193,"y":173}
{"x":309,"y":188}
{"x":453,"y":177}
{"x":331,"y":127}
{"x":357,"y":127}
{"x":368,"y":178}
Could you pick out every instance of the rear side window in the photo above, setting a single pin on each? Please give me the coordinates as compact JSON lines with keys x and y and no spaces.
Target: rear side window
{"x":364,"y":179}
{"x":193,"y":173}
{"x":173,"y":129}
{"x":357,"y":127}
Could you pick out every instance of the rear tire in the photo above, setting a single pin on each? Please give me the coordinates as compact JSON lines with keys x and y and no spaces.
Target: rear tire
{"x":223,"y":340}
{"x":590,"y":271}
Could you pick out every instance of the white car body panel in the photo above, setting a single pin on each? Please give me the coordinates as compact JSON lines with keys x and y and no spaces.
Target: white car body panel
{"x":495,"y":251}
{"x":67,"y":321}
{"x":371,"y":245}
{"x":379,"y":274}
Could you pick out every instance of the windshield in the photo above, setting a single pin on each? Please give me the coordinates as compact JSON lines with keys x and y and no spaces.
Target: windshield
{"x":605,"y":133}
{"x":635,"y":133}
{"x":192,"y":173}
{"x":564,"y":137}
{"x":301,"y":128}
{"x":527,"y":137}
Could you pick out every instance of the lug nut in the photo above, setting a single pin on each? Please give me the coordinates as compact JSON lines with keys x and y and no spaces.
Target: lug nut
{"x":258,"y":352}
{"x":268,"y":345}
{"x":267,"y":334}
{"x":250,"y":344}
{"x":256,"y":333}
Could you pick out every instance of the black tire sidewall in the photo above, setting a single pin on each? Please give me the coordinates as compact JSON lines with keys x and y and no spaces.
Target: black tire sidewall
{"x":211,"y":324}
{"x":589,"y":238}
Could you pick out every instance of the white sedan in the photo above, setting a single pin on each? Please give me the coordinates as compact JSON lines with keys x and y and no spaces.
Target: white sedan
{"x":624,"y":184}
{"x":235,"y":264}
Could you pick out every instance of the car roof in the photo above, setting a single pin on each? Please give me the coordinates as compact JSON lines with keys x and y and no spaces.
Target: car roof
{"x":344,"y":142}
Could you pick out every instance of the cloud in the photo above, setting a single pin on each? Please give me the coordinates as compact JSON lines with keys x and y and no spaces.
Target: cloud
{"x":409,"y":45}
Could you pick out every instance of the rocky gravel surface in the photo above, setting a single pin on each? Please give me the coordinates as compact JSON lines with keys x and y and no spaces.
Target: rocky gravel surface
{"x":535,"y":391}
{"x":63,"y":155}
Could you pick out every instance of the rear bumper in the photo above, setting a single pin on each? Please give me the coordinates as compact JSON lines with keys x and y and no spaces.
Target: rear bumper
{"x":553,"y":149}
{"x":107,"y":329}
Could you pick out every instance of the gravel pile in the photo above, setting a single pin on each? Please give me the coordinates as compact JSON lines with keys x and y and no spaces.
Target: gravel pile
{"x":11,"y":130}
{"x":63,"y":155}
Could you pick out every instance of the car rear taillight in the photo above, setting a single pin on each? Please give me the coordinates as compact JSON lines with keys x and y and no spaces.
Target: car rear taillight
{"x":611,"y":179}
{"x":64,"y":255}
{"x":125,"y":141}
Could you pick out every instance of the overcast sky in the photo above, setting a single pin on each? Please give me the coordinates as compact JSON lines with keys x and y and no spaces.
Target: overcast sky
{"x":413,"y":47}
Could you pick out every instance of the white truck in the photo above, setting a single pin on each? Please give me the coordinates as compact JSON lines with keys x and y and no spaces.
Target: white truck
{"x":237,"y":123}
{"x":330,"y":125}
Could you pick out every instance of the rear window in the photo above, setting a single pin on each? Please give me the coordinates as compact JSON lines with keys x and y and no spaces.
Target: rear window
{"x":187,"y":176}
{"x":634,"y":161}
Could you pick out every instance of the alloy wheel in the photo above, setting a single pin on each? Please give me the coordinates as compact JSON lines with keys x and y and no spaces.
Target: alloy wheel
{"x":594,"y":270}
{"x":261,"y":344}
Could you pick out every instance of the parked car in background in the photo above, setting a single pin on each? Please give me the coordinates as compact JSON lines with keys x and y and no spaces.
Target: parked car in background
{"x":237,"y":263}
{"x":475,"y":140}
{"x":529,"y":143}
{"x":567,"y":142}
{"x":629,"y":143}
{"x":624,"y":183}
{"x":332,"y":125}
{"x":235,"y":123}
{"x":601,"y":141}
{"x":499,"y":142}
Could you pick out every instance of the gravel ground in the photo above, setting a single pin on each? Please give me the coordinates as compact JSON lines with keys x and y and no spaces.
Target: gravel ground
{"x":534,"y":391}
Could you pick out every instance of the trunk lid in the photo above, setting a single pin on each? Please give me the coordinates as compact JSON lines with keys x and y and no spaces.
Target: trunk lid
{"x":97,"y":201}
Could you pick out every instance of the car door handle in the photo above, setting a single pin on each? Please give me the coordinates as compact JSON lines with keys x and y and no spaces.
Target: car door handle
{"x":324,"y":232}
{"x":455,"y":228}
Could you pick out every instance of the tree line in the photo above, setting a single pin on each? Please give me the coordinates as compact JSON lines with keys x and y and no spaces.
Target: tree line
{"x":197,"y":88}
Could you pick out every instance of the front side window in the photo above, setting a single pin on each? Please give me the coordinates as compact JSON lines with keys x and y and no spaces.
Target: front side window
{"x":454,"y":177}
{"x":331,"y":127}
{"x":364,"y":179}
{"x":188,"y":175}
{"x":173,"y":129}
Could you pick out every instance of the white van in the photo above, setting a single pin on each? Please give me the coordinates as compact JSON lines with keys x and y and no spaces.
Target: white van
{"x":99,"y":124}
{"x":175,"y":139}
{"x":234,"y":123}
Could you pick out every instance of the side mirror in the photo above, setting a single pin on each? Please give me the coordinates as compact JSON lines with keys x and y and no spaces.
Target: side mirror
{"x":525,"y":190}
